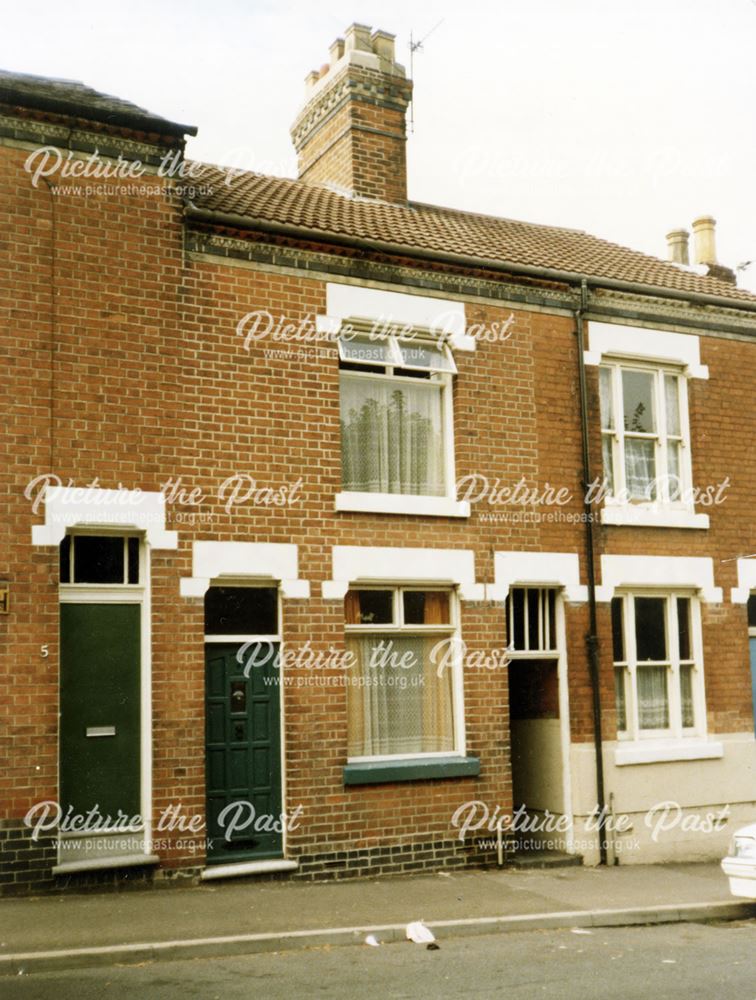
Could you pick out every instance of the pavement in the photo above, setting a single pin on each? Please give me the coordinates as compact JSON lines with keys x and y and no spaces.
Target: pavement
{"x":237,"y":917}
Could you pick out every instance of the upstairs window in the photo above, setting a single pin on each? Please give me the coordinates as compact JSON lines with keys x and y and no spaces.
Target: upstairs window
{"x":396,"y":415}
{"x":644,"y":434}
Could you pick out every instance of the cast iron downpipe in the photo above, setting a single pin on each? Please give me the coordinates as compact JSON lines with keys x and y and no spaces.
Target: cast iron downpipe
{"x":591,"y":639}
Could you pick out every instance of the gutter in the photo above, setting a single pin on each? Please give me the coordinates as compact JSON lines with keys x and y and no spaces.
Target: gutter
{"x":468,"y":260}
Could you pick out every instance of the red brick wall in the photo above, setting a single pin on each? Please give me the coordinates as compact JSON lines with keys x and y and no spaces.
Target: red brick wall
{"x":151,"y":382}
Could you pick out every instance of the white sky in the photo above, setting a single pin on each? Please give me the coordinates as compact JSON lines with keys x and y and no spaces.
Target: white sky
{"x":623,"y":119}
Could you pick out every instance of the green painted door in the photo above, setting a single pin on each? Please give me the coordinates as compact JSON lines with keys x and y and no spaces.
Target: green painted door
{"x":100,"y":759}
{"x":243,"y":753}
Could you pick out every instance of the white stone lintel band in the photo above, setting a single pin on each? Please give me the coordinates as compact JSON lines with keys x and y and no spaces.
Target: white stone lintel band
{"x":258,"y":562}
{"x":441,"y":316}
{"x":689,"y":572}
{"x":746,"y":580}
{"x":96,"y":508}
{"x":537,"y":569}
{"x":357,"y":564}
{"x":616,"y":340}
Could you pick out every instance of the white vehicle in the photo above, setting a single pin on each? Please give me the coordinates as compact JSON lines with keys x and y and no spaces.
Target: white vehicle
{"x":740,"y":863}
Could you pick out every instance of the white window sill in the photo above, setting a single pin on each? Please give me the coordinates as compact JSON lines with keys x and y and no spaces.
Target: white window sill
{"x":652,"y":516}
{"x":401,"y":503}
{"x":248,"y":868}
{"x":661,"y":751}
{"x":95,"y":864}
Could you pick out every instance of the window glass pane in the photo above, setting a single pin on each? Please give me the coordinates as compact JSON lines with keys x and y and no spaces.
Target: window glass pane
{"x":133,"y":554}
{"x":426,"y":607}
{"x":619,"y":693}
{"x":752,"y":611}
{"x":640,"y":468}
{"x":369,"y":607}
{"x":674,"y":483}
{"x":391,"y":436}
{"x":672,"y":404}
{"x":397,"y":703}
{"x":552,"y":620}
{"x":422,"y":354}
{"x":638,"y":401}
{"x":376,"y":351}
{"x":650,"y":628}
{"x":653,"y":702}
{"x":605,"y":396}
{"x":516,"y":618}
{"x":65,"y":560}
{"x":607,"y":457}
{"x":618,"y":632}
{"x":98,"y":559}
{"x":683,"y":626}
{"x":241,"y":611}
{"x":686,"y":696}
{"x":533,"y":606}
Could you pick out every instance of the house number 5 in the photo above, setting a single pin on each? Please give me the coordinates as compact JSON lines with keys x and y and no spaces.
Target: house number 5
{"x":44,"y":650}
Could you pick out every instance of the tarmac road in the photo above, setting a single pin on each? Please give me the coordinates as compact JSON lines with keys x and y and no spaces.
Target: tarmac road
{"x":663,"y":962}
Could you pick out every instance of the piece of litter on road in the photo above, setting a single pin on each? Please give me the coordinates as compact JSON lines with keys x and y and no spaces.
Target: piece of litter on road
{"x":433,"y":946}
{"x":669,"y":961}
{"x":580,"y":930}
{"x":372,"y":940}
{"x":419,"y":933}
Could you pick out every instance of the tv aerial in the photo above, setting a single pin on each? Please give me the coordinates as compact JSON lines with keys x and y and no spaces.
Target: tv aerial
{"x":417,"y":46}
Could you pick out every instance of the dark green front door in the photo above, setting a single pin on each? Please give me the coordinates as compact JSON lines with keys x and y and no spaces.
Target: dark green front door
{"x":100,"y":761}
{"x":243,"y":752}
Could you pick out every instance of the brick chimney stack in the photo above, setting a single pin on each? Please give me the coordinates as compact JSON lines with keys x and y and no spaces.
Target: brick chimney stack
{"x":351,"y":133}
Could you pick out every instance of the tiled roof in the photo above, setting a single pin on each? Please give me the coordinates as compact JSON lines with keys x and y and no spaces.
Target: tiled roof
{"x":430,"y":227}
{"x":70,"y":97}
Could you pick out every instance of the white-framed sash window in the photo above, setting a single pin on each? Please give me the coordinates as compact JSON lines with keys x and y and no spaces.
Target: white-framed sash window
{"x":397,"y":425}
{"x":645,"y":434}
{"x":658,"y":666}
{"x":404,"y":696}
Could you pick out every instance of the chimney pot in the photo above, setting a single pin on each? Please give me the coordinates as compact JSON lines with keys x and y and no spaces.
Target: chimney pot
{"x":677,"y":246}
{"x":704,"y":241}
{"x":337,"y":51}
{"x":383,"y":45}
{"x":357,"y":36}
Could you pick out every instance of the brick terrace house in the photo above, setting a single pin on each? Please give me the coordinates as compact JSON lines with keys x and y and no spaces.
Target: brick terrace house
{"x":295,"y":516}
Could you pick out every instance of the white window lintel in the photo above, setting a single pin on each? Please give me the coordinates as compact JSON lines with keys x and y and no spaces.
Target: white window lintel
{"x":250,"y":561}
{"x":354,"y":564}
{"x":670,"y":572}
{"x":97,"y":508}
{"x":616,"y":340}
{"x":746,"y":580}
{"x":537,"y":569}
{"x":440,"y":316}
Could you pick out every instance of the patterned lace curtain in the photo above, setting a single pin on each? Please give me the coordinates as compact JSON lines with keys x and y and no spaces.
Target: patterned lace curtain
{"x":653,"y":700}
{"x":391,"y":436}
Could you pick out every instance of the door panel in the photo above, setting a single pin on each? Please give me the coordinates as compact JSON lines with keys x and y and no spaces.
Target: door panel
{"x":243,"y":753}
{"x":100,"y":692}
